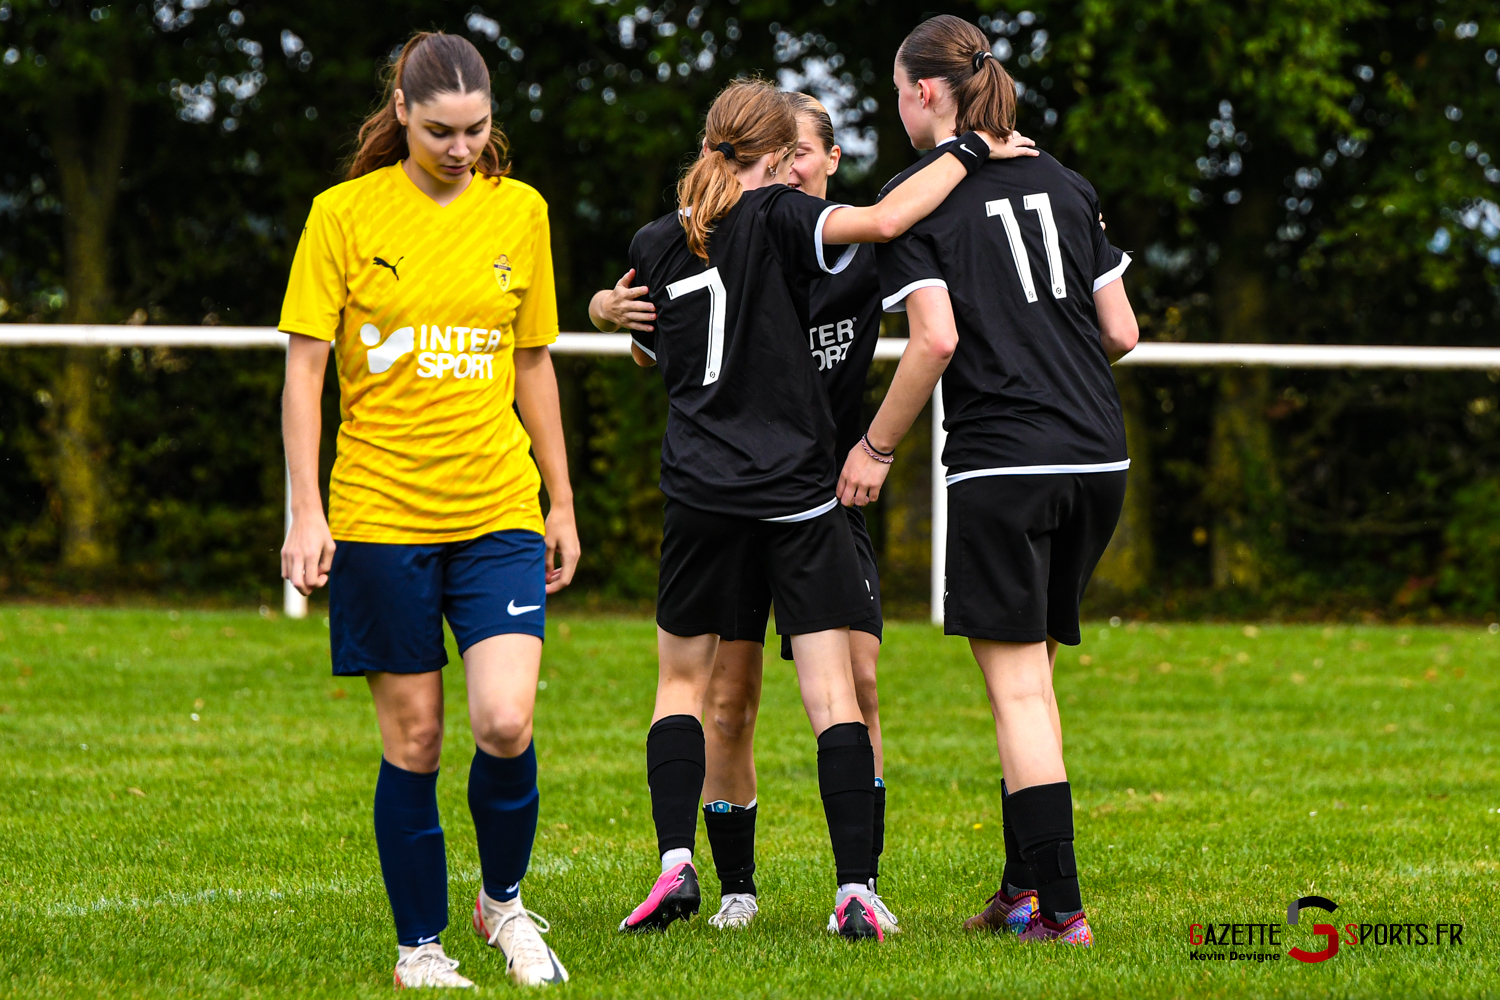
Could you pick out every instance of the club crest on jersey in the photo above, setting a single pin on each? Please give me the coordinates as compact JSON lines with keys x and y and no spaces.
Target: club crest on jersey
{"x":502,"y":272}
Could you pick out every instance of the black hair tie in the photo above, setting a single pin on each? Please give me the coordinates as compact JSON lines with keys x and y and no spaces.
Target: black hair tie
{"x":980,"y":57}
{"x":727,"y":149}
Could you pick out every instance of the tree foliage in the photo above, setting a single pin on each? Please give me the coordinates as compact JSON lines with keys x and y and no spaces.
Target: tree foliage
{"x":1284,"y":170}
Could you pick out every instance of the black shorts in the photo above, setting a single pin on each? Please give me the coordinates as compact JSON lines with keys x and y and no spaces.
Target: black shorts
{"x":1021,"y":550}
{"x":720,"y":573}
{"x":869,"y":576}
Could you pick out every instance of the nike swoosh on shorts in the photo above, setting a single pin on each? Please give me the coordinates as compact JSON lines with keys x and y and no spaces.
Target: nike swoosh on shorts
{"x":513,"y":610}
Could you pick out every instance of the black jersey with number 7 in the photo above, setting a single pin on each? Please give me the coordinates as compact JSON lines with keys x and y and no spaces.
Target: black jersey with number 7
{"x":749,"y":429}
{"x":1019,"y":247}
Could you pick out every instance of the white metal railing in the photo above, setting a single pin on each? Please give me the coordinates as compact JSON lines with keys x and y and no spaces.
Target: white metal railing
{"x":888,"y":349}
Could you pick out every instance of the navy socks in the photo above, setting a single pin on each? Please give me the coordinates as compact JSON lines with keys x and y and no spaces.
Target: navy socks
{"x":412,"y":860}
{"x":504,"y":800}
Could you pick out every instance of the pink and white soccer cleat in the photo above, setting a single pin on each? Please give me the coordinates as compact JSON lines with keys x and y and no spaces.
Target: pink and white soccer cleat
{"x":675,"y":896}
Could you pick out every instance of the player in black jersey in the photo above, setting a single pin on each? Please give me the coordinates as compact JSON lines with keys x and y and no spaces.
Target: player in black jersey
{"x":1014,"y":297}
{"x":843,"y":325}
{"x":748,"y":468}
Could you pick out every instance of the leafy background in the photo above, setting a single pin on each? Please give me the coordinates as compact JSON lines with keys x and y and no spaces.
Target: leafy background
{"x":1304,"y":171}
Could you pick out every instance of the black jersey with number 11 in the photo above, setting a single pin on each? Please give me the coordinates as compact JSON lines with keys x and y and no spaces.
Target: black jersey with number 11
{"x":749,"y":430}
{"x":1019,"y":247}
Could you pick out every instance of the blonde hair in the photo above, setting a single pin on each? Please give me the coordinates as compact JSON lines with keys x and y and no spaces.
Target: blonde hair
{"x":807,"y":107}
{"x":754,"y":119}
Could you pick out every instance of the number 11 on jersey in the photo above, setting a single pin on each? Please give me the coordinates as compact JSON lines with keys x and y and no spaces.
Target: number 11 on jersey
{"x":718,"y":308}
{"x":1041,"y":204}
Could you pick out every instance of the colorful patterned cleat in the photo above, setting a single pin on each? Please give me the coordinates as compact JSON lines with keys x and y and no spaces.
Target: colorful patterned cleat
{"x":1075,"y":930}
{"x":1004,"y":913}
{"x":675,"y":896}
{"x":855,"y":919}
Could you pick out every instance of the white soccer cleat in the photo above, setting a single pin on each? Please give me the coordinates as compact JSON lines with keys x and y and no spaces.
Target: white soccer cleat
{"x":736,"y":909}
{"x":517,"y":932}
{"x":883,"y":915}
{"x":426,"y":967}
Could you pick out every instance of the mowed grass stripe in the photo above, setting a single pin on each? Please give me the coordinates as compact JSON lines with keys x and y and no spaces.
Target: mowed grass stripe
{"x":1219,"y":772}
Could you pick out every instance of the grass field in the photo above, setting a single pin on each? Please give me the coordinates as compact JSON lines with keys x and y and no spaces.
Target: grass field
{"x":185,"y":811}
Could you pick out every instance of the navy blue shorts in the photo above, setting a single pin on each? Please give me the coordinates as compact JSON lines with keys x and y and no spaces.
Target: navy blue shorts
{"x":386,"y":603}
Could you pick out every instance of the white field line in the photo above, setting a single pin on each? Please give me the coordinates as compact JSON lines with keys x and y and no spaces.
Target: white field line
{"x":540,"y":867}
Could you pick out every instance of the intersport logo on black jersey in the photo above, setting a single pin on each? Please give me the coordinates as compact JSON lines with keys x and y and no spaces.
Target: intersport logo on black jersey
{"x":830,"y":342}
{"x":460,"y":351}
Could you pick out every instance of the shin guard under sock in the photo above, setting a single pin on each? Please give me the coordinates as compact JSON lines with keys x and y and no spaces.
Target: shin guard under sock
{"x":674,"y":772}
{"x":413,"y":863}
{"x":731,"y":836}
{"x":1043,"y":818}
{"x":1017,"y":875}
{"x":846,"y":780}
{"x":504,"y":801}
{"x":877,"y":841}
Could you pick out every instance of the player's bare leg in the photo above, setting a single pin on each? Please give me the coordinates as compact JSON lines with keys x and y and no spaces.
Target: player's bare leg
{"x":846,"y":773}
{"x":864,"y":656}
{"x":1018,"y":680}
{"x":675,"y":767}
{"x":729,"y":799}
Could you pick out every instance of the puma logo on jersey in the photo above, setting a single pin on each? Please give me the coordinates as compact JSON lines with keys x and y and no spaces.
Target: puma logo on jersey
{"x":382,"y":262}
{"x":830,"y":342}
{"x":396,"y":345}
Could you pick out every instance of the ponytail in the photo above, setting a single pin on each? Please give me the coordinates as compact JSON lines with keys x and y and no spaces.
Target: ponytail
{"x":747,"y":120}
{"x":953,"y":50}
{"x":430,"y":63}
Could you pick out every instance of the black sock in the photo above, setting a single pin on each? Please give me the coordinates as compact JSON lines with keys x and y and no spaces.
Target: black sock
{"x":877,"y":845}
{"x":731,"y":836}
{"x":846,"y":779}
{"x":1017,"y":876}
{"x":1043,"y":817}
{"x":674,"y":771}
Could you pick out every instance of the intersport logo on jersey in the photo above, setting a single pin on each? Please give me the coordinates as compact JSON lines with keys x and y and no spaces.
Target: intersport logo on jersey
{"x":460,"y":351}
{"x":1222,"y":942}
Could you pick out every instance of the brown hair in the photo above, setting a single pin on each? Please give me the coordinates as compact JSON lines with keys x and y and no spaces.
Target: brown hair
{"x":947,"y":47}
{"x":430,"y":63}
{"x":753,"y":118}
{"x":810,"y":108}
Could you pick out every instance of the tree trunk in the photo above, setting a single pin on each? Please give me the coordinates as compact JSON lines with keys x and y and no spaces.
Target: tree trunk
{"x":1244,"y":489}
{"x":89,"y":166}
{"x":1128,"y":563}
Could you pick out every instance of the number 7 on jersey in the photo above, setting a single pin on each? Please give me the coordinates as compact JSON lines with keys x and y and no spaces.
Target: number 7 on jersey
{"x":718,"y":307}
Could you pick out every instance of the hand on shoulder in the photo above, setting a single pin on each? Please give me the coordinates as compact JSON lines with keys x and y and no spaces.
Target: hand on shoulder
{"x":1013,"y":146}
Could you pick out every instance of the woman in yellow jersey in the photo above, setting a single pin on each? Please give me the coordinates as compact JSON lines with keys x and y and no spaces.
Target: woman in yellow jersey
{"x":430,"y":272}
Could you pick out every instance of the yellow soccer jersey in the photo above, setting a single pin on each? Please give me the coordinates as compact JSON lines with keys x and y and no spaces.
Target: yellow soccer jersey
{"x":425,"y":305}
